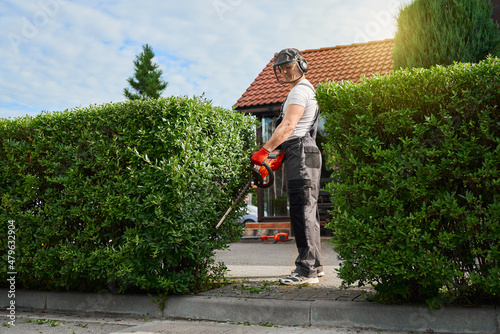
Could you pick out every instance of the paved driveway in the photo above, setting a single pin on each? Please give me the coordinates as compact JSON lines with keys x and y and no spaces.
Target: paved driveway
{"x":267,"y":261}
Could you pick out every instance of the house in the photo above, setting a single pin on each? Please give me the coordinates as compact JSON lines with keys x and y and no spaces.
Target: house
{"x":264,"y":98}
{"x":496,"y":12}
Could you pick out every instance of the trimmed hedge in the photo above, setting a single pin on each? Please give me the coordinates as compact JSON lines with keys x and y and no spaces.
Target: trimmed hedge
{"x":431,"y":32}
{"x":123,"y":196}
{"x":417,"y":205}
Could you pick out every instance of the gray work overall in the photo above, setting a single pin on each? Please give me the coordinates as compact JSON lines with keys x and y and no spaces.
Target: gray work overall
{"x":302,"y":163}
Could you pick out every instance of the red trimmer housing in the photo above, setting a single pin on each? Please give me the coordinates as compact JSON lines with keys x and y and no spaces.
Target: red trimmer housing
{"x":278,"y":237}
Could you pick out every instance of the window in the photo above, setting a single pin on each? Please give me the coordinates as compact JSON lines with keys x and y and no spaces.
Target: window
{"x":275,"y":198}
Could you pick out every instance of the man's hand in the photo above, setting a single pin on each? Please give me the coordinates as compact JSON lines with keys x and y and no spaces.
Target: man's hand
{"x":259,"y":156}
{"x":275,"y":164}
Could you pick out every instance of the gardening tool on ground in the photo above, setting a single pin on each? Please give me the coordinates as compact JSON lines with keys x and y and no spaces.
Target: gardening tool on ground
{"x":257,"y":179}
{"x":282,"y":236}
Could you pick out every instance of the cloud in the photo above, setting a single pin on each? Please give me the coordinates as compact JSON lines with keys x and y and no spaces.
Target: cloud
{"x":63,"y":54}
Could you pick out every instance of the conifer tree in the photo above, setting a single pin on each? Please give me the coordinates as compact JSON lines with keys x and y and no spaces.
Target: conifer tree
{"x":146,"y":82}
{"x":439,"y":32}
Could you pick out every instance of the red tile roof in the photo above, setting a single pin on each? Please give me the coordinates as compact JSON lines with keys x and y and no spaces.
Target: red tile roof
{"x":344,"y":62}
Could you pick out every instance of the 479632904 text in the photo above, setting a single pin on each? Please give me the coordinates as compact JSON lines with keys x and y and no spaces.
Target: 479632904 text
{"x":11,"y":274}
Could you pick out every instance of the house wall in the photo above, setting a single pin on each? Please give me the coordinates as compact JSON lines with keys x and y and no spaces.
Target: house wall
{"x":496,"y":11}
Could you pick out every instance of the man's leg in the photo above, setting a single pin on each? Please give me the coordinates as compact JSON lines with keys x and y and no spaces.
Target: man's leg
{"x":311,"y":213}
{"x":303,"y":173}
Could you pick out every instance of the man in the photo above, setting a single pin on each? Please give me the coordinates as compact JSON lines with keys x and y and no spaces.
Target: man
{"x":295,"y":135}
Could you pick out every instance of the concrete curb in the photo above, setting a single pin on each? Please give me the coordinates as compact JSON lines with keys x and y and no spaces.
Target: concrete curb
{"x":254,"y":311}
{"x":107,"y":303}
{"x":336,"y":314}
{"x":320,"y":313}
{"x":406,"y":318}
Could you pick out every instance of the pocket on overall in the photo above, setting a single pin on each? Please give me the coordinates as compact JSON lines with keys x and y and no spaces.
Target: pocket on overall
{"x":312,"y":156}
{"x":298,"y":192}
{"x":298,"y":195}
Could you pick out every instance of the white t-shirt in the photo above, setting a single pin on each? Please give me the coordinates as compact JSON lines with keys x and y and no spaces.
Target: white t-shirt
{"x":302,"y":94}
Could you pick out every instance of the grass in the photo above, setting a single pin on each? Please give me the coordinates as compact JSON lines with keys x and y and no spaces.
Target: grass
{"x":51,"y":323}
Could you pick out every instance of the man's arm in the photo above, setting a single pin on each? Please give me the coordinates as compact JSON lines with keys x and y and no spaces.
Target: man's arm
{"x":292,"y":116}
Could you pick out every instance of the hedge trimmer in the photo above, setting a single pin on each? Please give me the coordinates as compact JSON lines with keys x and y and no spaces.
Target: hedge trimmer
{"x":257,"y":179}
{"x":282,"y":236}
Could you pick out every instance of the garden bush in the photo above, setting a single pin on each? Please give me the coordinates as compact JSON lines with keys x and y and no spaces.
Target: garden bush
{"x":417,"y":205}
{"x":122,"y":196}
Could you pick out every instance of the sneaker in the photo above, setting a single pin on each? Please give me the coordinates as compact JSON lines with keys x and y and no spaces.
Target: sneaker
{"x":320,"y":274}
{"x":295,"y":279}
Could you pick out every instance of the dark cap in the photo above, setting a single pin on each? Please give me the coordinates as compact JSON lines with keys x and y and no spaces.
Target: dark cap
{"x":287,"y":56}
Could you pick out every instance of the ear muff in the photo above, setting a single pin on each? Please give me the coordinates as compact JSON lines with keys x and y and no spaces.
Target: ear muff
{"x":302,"y":63}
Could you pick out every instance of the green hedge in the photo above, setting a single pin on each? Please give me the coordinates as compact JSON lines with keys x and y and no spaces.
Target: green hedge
{"x":417,"y":205}
{"x":122,"y":196}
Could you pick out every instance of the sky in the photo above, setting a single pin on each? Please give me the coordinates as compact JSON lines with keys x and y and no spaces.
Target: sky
{"x":66,"y":54}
